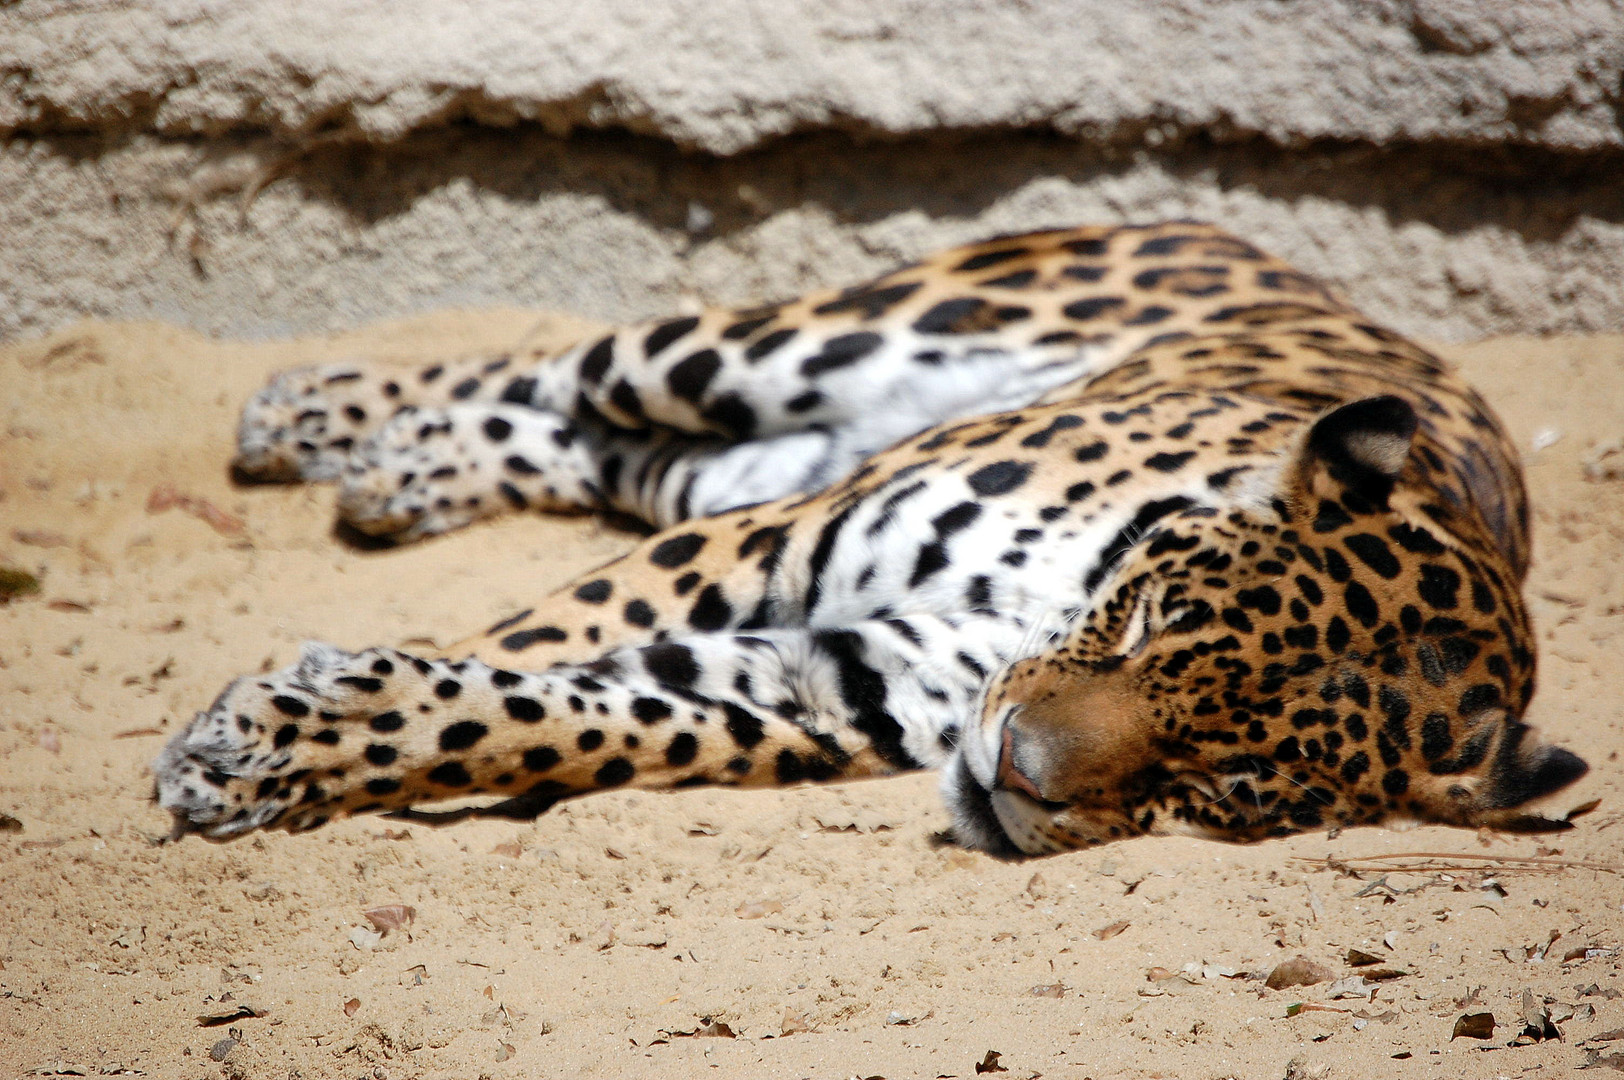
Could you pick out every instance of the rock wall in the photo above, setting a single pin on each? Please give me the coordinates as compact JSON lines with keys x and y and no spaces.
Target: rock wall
{"x":261,"y":168}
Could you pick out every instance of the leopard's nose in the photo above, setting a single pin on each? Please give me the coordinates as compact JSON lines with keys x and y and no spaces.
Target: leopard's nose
{"x":1009,"y":776}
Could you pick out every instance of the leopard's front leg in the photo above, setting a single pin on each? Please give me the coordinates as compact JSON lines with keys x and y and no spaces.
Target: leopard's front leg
{"x":341,"y":733}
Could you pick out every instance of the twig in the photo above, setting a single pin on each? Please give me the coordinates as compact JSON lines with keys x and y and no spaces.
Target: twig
{"x":1446,"y":861}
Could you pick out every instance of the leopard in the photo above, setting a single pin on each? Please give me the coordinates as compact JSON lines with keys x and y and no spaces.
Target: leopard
{"x":1125,"y":531}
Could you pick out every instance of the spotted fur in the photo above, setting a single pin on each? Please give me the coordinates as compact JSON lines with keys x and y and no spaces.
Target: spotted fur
{"x":1173,"y":541}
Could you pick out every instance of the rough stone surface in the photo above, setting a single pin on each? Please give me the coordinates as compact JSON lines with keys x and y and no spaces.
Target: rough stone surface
{"x":256,"y":168}
{"x":723,"y":75}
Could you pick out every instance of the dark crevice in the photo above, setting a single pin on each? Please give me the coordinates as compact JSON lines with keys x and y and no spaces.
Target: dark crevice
{"x":859,"y":178}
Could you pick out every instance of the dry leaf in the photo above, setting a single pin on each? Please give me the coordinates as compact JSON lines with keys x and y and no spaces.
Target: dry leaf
{"x":10,"y":824}
{"x":39,"y":538}
{"x":1536,"y":1018}
{"x":713,"y":1029}
{"x":416,"y":975}
{"x":989,"y":1063}
{"x":1474,"y":1026}
{"x":1595,"y":1060}
{"x":352,"y":1006}
{"x":1298,"y":971}
{"x":755,"y":909}
{"x":1360,"y":958}
{"x":237,"y":1010}
{"x":73,"y":606}
{"x":15,"y":583}
{"x":1105,"y":933}
{"x":1354,"y":986}
{"x":363,"y":938}
{"x":389,"y":917}
{"x":794,"y":1023}
{"x":164,"y":497}
{"x":1535,"y":954}
{"x":1382,"y":974}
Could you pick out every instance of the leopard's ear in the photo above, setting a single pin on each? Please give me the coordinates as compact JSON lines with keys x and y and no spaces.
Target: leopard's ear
{"x":1364,"y":444}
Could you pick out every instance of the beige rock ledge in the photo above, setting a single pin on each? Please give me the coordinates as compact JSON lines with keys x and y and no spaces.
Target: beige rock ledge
{"x":271,"y":168}
{"x":724,"y":75}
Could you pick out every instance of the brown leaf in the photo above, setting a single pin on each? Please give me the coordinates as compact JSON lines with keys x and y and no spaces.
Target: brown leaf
{"x":1298,"y":971}
{"x":165,"y":497}
{"x":614,"y":853}
{"x":137,"y":733}
{"x":1536,"y":1019}
{"x":15,"y":583}
{"x":1581,"y":810}
{"x":352,"y":1006}
{"x":72,"y":606}
{"x":1595,"y":1060}
{"x":713,"y":1029}
{"x":989,"y":1063}
{"x":1532,"y":953}
{"x":1360,"y":958}
{"x":389,"y":917}
{"x":1382,"y":974}
{"x":239,"y":1010}
{"x":1105,"y":933}
{"x":39,"y":538}
{"x":10,"y":824}
{"x":1474,"y":1026}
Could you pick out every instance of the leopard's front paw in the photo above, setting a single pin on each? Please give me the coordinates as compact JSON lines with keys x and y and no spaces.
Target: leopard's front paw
{"x":270,"y":751}
{"x":303,"y":424}
{"x":435,"y":470}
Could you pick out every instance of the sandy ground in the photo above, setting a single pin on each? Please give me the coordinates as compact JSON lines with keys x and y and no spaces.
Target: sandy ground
{"x":628,"y":934}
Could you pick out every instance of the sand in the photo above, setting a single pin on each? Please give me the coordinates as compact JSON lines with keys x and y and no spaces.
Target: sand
{"x":810,"y":932}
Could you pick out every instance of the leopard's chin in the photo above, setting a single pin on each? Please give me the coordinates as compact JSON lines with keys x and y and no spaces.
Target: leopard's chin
{"x":975,"y":821}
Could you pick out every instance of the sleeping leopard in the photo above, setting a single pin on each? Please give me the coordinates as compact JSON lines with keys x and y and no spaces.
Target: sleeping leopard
{"x":1125,"y":530}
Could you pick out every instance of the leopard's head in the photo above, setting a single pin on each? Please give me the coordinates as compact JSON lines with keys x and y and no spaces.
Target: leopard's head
{"x":1338,"y":647}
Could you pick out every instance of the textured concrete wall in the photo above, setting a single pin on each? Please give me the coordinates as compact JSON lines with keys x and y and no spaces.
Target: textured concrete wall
{"x":262,"y":167}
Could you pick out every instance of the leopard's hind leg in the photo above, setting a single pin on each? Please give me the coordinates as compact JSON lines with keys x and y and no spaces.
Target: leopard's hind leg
{"x":304,"y":423}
